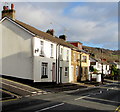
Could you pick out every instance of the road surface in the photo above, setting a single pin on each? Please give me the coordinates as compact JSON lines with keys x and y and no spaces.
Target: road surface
{"x":93,"y":99}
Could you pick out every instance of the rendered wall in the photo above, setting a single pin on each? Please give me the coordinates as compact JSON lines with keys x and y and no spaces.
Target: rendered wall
{"x":16,"y":51}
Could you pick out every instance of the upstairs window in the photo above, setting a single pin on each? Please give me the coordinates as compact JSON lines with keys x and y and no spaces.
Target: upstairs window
{"x":51,"y":50}
{"x":41,"y":48}
{"x":74,"y":55}
{"x":84,"y":59}
{"x":67,"y":55}
{"x":61,"y":54}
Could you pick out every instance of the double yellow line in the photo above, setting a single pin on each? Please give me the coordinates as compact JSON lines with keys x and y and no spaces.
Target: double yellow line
{"x":10,"y":94}
{"x":117,"y":109}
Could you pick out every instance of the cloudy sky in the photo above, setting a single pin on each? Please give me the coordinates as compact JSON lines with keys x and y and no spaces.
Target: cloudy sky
{"x":92,"y":23}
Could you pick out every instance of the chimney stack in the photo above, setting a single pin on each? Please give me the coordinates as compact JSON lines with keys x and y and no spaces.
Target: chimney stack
{"x":8,"y":12}
{"x":63,"y":37}
{"x":50,"y":31}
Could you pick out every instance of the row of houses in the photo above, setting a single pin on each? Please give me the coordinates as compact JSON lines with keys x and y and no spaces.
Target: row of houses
{"x":29,"y":53}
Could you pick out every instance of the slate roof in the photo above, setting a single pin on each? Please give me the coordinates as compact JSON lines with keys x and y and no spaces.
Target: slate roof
{"x":45,"y":35}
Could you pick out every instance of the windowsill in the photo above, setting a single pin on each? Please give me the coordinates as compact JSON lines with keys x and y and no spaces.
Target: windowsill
{"x":44,"y":76}
{"x":41,"y":55}
{"x":66,"y":75}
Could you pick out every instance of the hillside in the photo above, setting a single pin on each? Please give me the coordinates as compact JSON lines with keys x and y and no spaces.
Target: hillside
{"x":108,"y":55}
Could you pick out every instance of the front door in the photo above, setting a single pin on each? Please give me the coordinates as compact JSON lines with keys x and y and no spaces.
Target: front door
{"x":60,"y":74}
{"x":72,"y":74}
{"x":53,"y":72}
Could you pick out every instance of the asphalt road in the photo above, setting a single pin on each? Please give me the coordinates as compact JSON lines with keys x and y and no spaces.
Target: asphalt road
{"x":95,"y":99}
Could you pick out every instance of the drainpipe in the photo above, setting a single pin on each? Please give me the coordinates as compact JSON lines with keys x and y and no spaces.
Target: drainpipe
{"x":57,"y":63}
{"x":80,"y":67}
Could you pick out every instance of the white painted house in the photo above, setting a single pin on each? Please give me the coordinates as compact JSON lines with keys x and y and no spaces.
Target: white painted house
{"x":99,"y":66}
{"x":29,"y":53}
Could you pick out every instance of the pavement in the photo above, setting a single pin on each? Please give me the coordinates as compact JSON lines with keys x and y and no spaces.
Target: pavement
{"x":36,"y":88}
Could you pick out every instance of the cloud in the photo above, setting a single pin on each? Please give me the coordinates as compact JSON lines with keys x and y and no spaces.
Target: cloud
{"x":89,"y":23}
{"x":61,"y":1}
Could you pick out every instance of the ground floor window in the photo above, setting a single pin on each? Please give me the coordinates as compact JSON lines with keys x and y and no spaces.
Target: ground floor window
{"x":77,"y":70}
{"x":66,"y":71}
{"x":44,"y":70}
{"x":85,"y":71}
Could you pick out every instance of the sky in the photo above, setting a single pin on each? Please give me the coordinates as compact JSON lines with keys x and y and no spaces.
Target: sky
{"x":94,"y":24}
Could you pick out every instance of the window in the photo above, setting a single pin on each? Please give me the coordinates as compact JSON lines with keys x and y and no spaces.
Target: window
{"x":44,"y":70}
{"x":77,"y":70}
{"x":79,"y":46}
{"x":85,"y":71}
{"x":51,"y":50}
{"x":67,"y":55}
{"x":66,"y":71}
{"x":74,"y":57}
{"x":84,"y":59}
{"x":41,"y":48}
{"x":61,"y":54}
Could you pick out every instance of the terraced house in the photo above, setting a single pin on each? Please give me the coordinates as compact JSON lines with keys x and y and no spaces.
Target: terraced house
{"x":29,"y":53}
{"x":79,"y":62}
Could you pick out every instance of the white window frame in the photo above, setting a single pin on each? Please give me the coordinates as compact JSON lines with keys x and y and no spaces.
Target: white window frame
{"x":42,"y":48}
{"x":66,"y":71}
{"x":74,"y":56}
{"x":61,"y":54}
{"x":67,"y":55}
{"x":52,"y":48}
{"x":44,"y":70}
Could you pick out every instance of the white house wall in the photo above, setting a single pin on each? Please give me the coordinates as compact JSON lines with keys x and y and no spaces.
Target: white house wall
{"x":38,"y":60}
{"x":16,"y":51}
{"x":64,"y":63}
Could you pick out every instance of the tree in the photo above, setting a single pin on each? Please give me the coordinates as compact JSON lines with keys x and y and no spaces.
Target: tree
{"x":115,"y":72}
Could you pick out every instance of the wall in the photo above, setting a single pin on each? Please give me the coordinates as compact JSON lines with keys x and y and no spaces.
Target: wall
{"x":46,"y":58}
{"x":62,"y":63}
{"x":16,"y":51}
{"x":85,"y":66}
{"x":74,"y":62}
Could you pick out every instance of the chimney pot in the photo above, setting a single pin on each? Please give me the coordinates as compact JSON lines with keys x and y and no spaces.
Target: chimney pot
{"x":4,"y":7}
{"x":7,"y":7}
{"x":12,"y":6}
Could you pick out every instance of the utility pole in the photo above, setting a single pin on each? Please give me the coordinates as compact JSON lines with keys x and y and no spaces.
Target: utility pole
{"x":102,"y":78}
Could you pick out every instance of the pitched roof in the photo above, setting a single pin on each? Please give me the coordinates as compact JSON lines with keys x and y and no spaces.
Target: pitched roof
{"x":45,"y":35}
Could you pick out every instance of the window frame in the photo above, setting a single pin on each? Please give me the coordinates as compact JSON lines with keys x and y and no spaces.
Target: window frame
{"x":84,"y":59}
{"x":66,"y":71}
{"x":41,"y":48}
{"x":52,"y":50}
{"x":67,"y":57}
{"x":44,"y":70}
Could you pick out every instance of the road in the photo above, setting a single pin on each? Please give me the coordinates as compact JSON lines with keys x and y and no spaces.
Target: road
{"x":94,"y":99}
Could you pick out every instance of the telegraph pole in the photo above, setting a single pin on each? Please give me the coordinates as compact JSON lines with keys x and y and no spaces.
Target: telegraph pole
{"x":102,"y":78}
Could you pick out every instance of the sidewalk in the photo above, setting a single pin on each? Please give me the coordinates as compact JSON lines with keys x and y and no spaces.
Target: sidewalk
{"x":110,"y":81}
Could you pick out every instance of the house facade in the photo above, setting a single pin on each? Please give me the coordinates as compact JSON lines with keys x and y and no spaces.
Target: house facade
{"x":80,"y":62}
{"x":75,"y":65}
{"x":100,"y":66}
{"x":29,"y":53}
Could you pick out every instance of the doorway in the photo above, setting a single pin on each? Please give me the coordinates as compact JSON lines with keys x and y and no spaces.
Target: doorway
{"x":53,"y":73}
